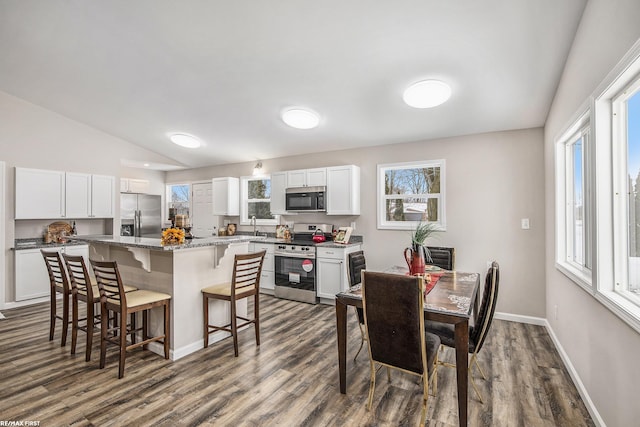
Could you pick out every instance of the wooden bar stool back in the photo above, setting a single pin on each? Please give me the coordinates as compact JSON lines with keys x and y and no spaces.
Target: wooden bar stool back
{"x":59,"y":284}
{"x":245,"y":282}
{"x":82,"y":289}
{"x":114,"y":298}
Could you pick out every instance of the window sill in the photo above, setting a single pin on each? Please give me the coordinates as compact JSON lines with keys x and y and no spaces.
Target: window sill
{"x":621,"y":307}
{"x":580,"y":277}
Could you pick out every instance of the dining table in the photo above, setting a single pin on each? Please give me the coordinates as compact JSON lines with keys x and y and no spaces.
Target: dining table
{"x":453,"y":299}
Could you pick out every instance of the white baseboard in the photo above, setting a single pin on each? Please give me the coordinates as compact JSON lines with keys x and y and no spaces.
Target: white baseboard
{"x":595,"y":415}
{"x":593,"y":411}
{"x":186,"y":350}
{"x":520,"y":319}
{"x":17,"y":304}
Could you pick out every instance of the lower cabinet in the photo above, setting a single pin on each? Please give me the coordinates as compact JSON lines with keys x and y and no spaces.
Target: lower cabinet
{"x":32,"y":279}
{"x":332,"y":268}
{"x":268,"y":276}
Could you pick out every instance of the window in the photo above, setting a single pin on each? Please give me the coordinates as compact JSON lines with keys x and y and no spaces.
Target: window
{"x":626,"y":137}
{"x":256,"y":200}
{"x":598,"y":193}
{"x":409,"y":193}
{"x":178,"y":196}
{"x":574,"y":214}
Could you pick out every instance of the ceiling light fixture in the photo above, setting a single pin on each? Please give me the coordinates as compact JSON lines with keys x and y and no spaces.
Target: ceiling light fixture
{"x":427,"y":94}
{"x":257,"y":169}
{"x":300,"y":118}
{"x":146,"y":165}
{"x":184,"y":140}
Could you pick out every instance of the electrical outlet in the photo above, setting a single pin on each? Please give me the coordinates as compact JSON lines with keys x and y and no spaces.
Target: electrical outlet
{"x":524,"y":223}
{"x":353,"y":225}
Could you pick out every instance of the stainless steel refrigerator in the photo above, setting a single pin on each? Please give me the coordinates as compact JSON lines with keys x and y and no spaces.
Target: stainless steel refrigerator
{"x":140,"y":215}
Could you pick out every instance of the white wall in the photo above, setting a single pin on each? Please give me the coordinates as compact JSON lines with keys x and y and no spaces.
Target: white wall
{"x":492,"y":181}
{"x":33,"y":137}
{"x":603,"y":350}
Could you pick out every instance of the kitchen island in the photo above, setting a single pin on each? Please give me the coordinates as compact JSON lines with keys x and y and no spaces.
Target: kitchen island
{"x":181,"y":271}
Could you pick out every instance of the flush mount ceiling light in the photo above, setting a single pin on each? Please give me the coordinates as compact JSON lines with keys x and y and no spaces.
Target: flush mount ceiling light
{"x":427,"y":94}
{"x":300,"y":118}
{"x":184,"y":140}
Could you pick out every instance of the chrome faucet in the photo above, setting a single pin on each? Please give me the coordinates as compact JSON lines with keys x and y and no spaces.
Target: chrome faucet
{"x":253,"y":222}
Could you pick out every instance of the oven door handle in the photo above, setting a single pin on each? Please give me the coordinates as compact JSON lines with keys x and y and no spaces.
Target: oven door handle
{"x":290,"y":255}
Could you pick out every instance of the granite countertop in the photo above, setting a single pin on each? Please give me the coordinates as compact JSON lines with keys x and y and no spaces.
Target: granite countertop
{"x":155,"y":243}
{"x":38,"y":243}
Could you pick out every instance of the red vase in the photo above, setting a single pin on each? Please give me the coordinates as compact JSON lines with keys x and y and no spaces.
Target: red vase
{"x":415,"y":259}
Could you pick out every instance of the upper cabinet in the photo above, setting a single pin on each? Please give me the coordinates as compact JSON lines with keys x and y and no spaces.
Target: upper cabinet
{"x":343,"y":190}
{"x":226,"y":196}
{"x":103,"y":196}
{"x":278,"y":190}
{"x":45,"y":194}
{"x":40,"y":194}
{"x":131,"y":185}
{"x":307,"y":178}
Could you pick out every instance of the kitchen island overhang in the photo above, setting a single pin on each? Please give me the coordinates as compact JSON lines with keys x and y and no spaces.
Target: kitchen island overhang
{"x":181,"y":271}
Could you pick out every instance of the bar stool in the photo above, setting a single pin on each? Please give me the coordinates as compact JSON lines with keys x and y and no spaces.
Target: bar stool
{"x":245,"y":282}
{"x":114,"y":298}
{"x":59,"y":285}
{"x":84,"y":288}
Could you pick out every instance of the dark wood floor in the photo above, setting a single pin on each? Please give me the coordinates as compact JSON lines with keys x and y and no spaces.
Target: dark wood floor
{"x":290,"y":380}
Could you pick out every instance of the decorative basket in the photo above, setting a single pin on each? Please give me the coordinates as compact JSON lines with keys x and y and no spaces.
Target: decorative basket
{"x":172,"y":236}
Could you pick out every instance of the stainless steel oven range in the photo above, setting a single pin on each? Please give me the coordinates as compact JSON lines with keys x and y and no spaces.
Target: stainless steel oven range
{"x":295,"y":264}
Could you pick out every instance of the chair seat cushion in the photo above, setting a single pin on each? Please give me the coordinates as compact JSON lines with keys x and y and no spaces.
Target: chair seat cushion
{"x":433,"y":343}
{"x":142,"y":297}
{"x":446,"y":332}
{"x":219,"y":289}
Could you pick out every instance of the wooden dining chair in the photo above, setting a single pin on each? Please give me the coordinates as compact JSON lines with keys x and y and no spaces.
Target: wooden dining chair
{"x":245,"y":282}
{"x":357,"y":263}
{"x":114,"y":298}
{"x":59,"y":284}
{"x":442,"y":257}
{"x":477,"y":332}
{"x":394,"y":318}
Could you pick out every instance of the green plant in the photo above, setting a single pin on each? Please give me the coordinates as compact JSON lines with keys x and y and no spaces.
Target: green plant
{"x":423,"y":231}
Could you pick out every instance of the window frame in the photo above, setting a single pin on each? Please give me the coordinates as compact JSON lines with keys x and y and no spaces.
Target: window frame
{"x":382,"y":222}
{"x":244,"y":201}
{"x":168,"y":198}
{"x":580,"y":128}
{"x":608,"y":182}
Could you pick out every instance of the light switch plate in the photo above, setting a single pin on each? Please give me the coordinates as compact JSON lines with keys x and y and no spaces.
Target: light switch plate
{"x":524,"y":223}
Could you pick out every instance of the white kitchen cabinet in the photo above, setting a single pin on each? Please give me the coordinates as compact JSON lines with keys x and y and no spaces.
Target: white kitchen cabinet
{"x":131,"y":185}
{"x":103,"y":196}
{"x":332,"y":269}
{"x":343,"y":190}
{"x":39,"y":194}
{"x":307,"y":177}
{"x":77,"y":195}
{"x":278,"y":190}
{"x":89,"y":196}
{"x":45,"y":194}
{"x":31,"y":276}
{"x":267,"y":278}
{"x":226,"y":196}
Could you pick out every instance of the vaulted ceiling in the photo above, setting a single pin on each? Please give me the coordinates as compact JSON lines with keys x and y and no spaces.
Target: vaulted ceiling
{"x":225,"y":70}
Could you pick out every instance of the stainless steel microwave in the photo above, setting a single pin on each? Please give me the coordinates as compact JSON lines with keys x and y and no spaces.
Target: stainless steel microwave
{"x":305,"y":199}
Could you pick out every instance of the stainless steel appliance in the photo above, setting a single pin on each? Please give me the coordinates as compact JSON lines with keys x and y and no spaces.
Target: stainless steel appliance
{"x":295,"y":264}
{"x":140,"y":215}
{"x":305,"y":199}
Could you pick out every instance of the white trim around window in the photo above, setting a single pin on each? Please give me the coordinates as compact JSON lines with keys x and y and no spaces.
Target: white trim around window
{"x":408,"y":203}
{"x":610,"y":193}
{"x":245,"y":201}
